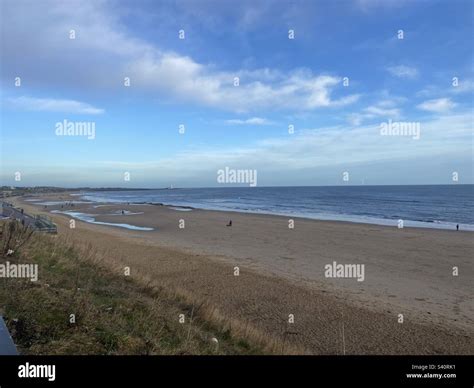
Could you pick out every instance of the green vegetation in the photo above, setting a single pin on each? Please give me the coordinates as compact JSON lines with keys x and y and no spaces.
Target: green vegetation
{"x":113,"y":314}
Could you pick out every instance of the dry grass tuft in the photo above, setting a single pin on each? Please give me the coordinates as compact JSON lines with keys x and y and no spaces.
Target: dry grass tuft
{"x":112,"y":314}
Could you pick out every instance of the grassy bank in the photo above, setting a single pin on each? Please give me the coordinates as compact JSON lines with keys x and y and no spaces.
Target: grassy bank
{"x":113,"y":314}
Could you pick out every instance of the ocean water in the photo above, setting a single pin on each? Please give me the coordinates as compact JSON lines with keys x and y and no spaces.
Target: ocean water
{"x":437,"y":206}
{"x":89,"y":218}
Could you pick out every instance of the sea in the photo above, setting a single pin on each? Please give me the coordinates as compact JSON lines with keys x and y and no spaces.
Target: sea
{"x":428,"y":206}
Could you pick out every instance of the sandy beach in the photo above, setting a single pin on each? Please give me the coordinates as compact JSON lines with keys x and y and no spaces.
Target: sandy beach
{"x":408,"y":271}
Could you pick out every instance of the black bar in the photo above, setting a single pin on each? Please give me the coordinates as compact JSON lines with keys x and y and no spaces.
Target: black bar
{"x":307,"y":371}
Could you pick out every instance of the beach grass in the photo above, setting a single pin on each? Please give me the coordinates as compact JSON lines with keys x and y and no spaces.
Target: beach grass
{"x":112,"y":314}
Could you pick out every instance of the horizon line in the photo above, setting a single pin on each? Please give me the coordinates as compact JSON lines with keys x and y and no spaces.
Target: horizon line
{"x":225,"y":186}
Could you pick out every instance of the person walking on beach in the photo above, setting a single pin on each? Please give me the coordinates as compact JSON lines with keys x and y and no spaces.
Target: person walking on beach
{"x":457,"y":226}
{"x":230,"y":223}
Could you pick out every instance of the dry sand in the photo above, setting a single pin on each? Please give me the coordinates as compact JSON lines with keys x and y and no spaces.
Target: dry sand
{"x":407,"y":271}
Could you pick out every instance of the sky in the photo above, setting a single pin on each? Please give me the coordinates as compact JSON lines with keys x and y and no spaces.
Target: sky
{"x":175,"y":91}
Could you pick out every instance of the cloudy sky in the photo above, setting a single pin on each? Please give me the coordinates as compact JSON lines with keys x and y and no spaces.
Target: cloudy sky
{"x":237,"y":83}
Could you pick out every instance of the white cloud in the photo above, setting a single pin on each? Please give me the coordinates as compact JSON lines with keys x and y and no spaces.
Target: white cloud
{"x":315,"y":148}
{"x":53,"y":105}
{"x":384,"y":108}
{"x":375,"y":110}
{"x":464,"y":86}
{"x":104,"y":52}
{"x":329,"y":149}
{"x":439,"y":105}
{"x":250,"y":121}
{"x":183,"y":78}
{"x":403,"y":71}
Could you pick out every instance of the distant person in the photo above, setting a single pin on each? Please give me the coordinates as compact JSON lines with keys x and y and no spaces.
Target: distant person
{"x":230,"y":223}
{"x":22,"y":211}
{"x":457,"y":227}
{"x":123,"y":212}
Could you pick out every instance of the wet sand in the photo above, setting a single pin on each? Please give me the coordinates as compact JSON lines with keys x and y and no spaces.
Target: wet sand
{"x":282,"y":271}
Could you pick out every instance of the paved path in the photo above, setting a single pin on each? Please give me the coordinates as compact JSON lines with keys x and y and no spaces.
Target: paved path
{"x":37,"y":223}
{"x":9,"y":211}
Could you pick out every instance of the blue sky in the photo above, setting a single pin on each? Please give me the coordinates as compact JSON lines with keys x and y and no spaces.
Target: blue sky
{"x":282,"y":82}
